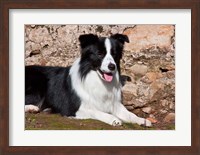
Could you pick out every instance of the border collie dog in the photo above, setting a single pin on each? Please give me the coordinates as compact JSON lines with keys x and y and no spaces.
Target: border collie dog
{"x":90,"y":88}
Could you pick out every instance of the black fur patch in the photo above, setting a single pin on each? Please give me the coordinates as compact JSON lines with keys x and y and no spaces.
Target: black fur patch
{"x":52,"y":85}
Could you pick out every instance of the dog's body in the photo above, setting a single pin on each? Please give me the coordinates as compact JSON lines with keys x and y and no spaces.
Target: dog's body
{"x":90,"y":88}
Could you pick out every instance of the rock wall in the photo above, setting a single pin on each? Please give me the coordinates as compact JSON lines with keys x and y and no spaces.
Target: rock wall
{"x":148,"y":61}
{"x":58,"y":45}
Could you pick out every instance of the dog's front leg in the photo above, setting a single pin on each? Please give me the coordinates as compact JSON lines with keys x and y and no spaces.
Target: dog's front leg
{"x":85,"y":113}
{"x":122,"y":113}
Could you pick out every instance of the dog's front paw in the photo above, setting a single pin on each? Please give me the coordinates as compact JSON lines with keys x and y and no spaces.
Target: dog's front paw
{"x":116,"y":122}
{"x":147,"y":123}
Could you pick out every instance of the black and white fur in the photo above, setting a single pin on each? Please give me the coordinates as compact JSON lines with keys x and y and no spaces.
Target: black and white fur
{"x":90,"y":88}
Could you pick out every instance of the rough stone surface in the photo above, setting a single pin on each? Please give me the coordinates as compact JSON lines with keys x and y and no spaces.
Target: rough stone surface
{"x":149,"y":60}
{"x":139,"y":69}
{"x":170,"y":117}
{"x":146,"y":110}
{"x":145,"y":36}
{"x":152,"y":76}
{"x":58,"y":45}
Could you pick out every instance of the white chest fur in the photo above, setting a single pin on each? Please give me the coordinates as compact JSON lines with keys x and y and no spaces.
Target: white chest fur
{"x":94,"y":92}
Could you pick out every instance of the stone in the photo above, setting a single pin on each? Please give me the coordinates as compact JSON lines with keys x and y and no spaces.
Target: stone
{"x":146,"y":36}
{"x":136,"y":111}
{"x":35,"y":52}
{"x":138,"y":103}
{"x":152,"y":116}
{"x":130,"y":89}
{"x":152,"y":76}
{"x":164,"y":103}
{"x":129,"y":107}
{"x":143,"y":90}
{"x":43,"y":62}
{"x":147,"y":110}
{"x":127,"y":98}
{"x":40,"y":35}
{"x":129,"y":92}
{"x":35,"y":47}
{"x":171,"y":74}
{"x":170,"y":67}
{"x":162,"y":111}
{"x":169,"y":118}
{"x":139,"y":69}
{"x":152,"y":120}
{"x":155,"y":90}
{"x":172,"y":106}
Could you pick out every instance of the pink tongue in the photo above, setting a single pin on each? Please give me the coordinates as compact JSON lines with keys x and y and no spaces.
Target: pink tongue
{"x":107,"y":77}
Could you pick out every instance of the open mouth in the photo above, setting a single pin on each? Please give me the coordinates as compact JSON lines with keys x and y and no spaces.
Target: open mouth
{"x":105,"y":76}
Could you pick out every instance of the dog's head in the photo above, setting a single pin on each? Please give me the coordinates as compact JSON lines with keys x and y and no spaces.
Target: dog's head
{"x":101,"y":54}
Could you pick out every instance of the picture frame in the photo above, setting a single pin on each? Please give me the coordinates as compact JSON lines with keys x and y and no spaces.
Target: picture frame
{"x":194,"y":5}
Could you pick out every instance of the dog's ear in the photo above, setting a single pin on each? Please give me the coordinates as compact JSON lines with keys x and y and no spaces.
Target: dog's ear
{"x":88,"y":39}
{"x":121,"y":38}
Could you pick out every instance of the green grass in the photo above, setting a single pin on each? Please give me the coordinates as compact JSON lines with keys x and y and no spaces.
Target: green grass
{"x":42,"y":121}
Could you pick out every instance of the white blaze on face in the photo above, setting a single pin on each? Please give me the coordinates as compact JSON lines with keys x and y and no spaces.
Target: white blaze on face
{"x":107,"y":74}
{"x":108,"y":57}
{"x":107,"y":45}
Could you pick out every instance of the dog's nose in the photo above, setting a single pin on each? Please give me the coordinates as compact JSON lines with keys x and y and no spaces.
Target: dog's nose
{"x":111,"y":66}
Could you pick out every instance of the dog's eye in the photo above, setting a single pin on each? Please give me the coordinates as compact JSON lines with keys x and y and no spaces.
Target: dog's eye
{"x":100,"y":54}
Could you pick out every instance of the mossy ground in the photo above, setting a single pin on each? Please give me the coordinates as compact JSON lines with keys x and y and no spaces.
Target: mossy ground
{"x":43,"y":121}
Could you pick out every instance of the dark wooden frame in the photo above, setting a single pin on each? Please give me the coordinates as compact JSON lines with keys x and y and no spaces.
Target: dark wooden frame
{"x":5,"y":5}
